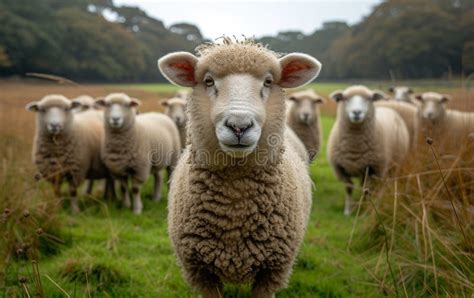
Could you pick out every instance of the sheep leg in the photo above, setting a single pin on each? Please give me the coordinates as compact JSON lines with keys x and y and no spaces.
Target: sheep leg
{"x":348,"y":203}
{"x":124,"y":189}
{"x":73,"y":197}
{"x":110,"y":189}
{"x":208,"y":283}
{"x":158,"y":184}
{"x":90,"y":186}
{"x":137,"y":199}
{"x":267,"y":282}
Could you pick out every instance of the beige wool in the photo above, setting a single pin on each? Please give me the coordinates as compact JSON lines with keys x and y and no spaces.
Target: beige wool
{"x":175,"y":108}
{"x":231,"y":222}
{"x":309,"y":132}
{"x":407,"y":111}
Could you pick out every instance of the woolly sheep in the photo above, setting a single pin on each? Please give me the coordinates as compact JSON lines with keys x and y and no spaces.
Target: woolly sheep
{"x":439,"y":123}
{"x":402,"y":93}
{"x":304,"y":119}
{"x":67,"y":145}
{"x":86,"y":103}
{"x":408,"y":112}
{"x":364,"y":138}
{"x":136,"y":145}
{"x":239,"y":201}
{"x":175,"y":108}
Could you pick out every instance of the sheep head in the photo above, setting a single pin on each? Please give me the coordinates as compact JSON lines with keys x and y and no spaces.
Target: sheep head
{"x":357,"y":103}
{"x":175,"y":108}
{"x":119,"y":110}
{"x":401,"y":93}
{"x":237,"y":92}
{"x":305,"y":105}
{"x":433,"y":105}
{"x":54,"y":113}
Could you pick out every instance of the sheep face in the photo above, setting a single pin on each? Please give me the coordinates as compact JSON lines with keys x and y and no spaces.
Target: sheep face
{"x":433,"y":105}
{"x":87,"y":103}
{"x":119,"y":110}
{"x":54,"y":113}
{"x":175,"y":108}
{"x":356,"y":103}
{"x":401,"y":93}
{"x":237,"y":93}
{"x":305,"y":105}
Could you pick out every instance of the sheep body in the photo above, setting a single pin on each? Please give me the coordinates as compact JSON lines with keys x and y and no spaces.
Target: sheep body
{"x":408,"y":112}
{"x":297,"y":144}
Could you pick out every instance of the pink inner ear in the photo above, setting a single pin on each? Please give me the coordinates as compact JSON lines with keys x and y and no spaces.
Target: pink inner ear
{"x":185,"y":70}
{"x":290,"y":72}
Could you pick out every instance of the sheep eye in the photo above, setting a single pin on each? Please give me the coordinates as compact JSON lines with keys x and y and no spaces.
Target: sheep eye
{"x":209,"y":82}
{"x":268,"y":82}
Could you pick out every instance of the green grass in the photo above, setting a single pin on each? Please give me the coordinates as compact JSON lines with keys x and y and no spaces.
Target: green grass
{"x":111,"y":252}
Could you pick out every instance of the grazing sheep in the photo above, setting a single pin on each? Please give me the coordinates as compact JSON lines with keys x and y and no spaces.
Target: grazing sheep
{"x":408,"y":112}
{"x":304,"y":119}
{"x":67,"y":145}
{"x":175,"y":108}
{"x":442,"y":124}
{"x":240,"y":197}
{"x":364,"y":138}
{"x":136,"y":145}
{"x":402,"y":93}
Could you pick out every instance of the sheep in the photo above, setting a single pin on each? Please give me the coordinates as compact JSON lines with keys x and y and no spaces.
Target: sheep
{"x":364,"y":139}
{"x":304,"y":119}
{"x":67,"y":145}
{"x":136,"y":145}
{"x":408,"y":112}
{"x":175,"y":108}
{"x":239,"y":200}
{"x":402,"y":93}
{"x":439,"y":123}
{"x":86,"y":103}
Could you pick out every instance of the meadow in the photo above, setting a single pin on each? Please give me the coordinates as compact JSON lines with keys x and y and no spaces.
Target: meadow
{"x":106,"y":251}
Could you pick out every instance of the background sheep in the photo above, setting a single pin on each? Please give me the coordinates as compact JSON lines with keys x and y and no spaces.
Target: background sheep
{"x":136,"y":145}
{"x":304,"y":119}
{"x":364,"y":138}
{"x":408,"y":112}
{"x":67,"y":145}
{"x":402,"y":93}
{"x":175,"y":108}
{"x":239,"y":201}
{"x":86,"y":103}
{"x":442,"y":124}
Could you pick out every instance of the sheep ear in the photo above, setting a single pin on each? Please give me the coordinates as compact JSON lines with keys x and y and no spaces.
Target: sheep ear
{"x":292,"y":98}
{"x":135,"y":103}
{"x":418,"y":97}
{"x":164,"y":102}
{"x":320,"y":100}
{"x":391,"y":89}
{"x":32,"y":106}
{"x":76,"y":104}
{"x":99,"y":102}
{"x":179,"y":68}
{"x":298,"y":69}
{"x":446,"y":98}
{"x":378,"y":95}
{"x":410,"y":90}
{"x":337,"y":96}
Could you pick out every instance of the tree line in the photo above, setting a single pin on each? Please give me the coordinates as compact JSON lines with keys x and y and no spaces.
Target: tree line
{"x":94,"y":40}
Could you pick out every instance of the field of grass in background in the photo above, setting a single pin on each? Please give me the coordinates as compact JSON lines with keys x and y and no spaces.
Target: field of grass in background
{"x":108,"y":251}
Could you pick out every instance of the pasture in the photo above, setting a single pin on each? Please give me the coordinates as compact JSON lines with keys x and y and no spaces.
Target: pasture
{"x":108,"y":251}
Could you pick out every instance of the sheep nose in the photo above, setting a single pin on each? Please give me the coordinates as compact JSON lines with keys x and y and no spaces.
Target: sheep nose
{"x":357,"y":113}
{"x":115,"y":119}
{"x":305,"y":116}
{"x":238,"y":129}
{"x":55,"y":125}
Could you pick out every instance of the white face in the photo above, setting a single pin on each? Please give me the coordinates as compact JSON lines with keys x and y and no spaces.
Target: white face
{"x":306,"y":109}
{"x":238,"y":111}
{"x":431,"y":109}
{"x":55,"y":119}
{"x":115,"y":115}
{"x":356,"y":108}
{"x":177,"y":112}
{"x":401,"y":94}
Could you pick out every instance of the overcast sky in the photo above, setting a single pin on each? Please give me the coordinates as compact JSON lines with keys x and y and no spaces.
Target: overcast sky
{"x":256,"y":18}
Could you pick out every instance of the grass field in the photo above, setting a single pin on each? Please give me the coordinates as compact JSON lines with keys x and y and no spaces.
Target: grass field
{"x":107,"y":251}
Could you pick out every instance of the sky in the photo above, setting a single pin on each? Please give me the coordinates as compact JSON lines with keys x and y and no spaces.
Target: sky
{"x":254,"y":18}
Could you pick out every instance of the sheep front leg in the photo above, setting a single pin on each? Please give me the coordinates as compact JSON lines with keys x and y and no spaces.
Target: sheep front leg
{"x":73,"y":197}
{"x":348,"y":203}
{"x":124,"y":190}
{"x":158,"y":184}
{"x":208,"y":283}
{"x":110,"y":189}
{"x":267,"y":282}
{"x":137,"y":199}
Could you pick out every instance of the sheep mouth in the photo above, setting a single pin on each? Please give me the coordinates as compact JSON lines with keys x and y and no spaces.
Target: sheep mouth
{"x":238,"y":146}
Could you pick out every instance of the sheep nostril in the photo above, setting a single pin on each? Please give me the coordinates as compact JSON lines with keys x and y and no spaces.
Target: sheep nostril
{"x":357,"y":113}
{"x":238,"y":130}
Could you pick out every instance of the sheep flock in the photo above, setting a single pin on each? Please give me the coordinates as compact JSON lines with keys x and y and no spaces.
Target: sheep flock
{"x":236,"y":146}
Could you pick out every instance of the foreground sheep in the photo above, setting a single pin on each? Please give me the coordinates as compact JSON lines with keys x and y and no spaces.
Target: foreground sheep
{"x":67,"y":145}
{"x":402,"y":94}
{"x":364,"y":138}
{"x":239,"y":199}
{"x":136,"y":145}
{"x":408,"y":112}
{"x":175,"y":108}
{"x":442,"y":124}
{"x":304,"y":119}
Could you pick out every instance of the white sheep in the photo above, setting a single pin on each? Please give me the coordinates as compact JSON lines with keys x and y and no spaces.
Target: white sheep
{"x":86,"y":103}
{"x":438,"y":122}
{"x":305,"y":120}
{"x":409,"y":114}
{"x":240,"y":197}
{"x":136,"y":145}
{"x":402,"y":93}
{"x":67,"y":145}
{"x":364,"y":138}
{"x":175,"y":108}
